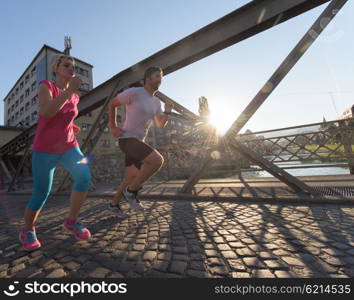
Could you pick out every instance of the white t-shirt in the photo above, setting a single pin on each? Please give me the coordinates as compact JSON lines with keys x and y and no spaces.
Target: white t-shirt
{"x":140,"y":109}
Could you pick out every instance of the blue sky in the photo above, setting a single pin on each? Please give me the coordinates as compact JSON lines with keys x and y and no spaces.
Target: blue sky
{"x":113,"y":35}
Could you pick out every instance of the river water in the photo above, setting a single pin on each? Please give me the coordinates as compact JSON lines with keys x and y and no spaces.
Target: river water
{"x":302,"y":172}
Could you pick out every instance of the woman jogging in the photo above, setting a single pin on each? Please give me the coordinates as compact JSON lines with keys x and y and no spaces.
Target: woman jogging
{"x":54,"y":143}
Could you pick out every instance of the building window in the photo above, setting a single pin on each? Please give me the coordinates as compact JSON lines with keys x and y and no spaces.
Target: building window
{"x":27,"y":92}
{"x":21,"y":99}
{"x":27,"y":121}
{"x":21,"y":85}
{"x":26,"y":79}
{"x":34,"y":115}
{"x":81,"y":71}
{"x":34,"y":100}
{"x":33,"y":86}
{"x":16,"y":104}
{"x":33,"y":71}
{"x":85,"y":87}
{"x":86,"y":126}
{"x":12,"y":107}
{"x":105,"y":143}
{"x":27,"y":106}
{"x":21,"y":111}
{"x":16,"y":91}
{"x":16,"y":115}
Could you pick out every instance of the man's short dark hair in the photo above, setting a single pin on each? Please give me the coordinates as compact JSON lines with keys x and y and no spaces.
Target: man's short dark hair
{"x":149,"y":71}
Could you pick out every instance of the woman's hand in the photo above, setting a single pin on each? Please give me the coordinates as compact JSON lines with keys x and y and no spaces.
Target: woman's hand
{"x":74,"y":83}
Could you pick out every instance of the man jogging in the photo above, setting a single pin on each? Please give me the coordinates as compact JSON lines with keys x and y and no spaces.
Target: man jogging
{"x":141,"y":160}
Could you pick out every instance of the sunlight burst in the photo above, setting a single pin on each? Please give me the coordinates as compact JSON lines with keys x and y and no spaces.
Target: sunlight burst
{"x":222,"y":120}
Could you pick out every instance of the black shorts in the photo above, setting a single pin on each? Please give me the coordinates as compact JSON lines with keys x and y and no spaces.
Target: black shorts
{"x":135,"y":151}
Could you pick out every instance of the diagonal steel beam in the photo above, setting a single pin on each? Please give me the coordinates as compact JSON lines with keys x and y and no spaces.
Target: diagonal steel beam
{"x":303,"y":45}
{"x":244,"y":22}
{"x":185,"y":112}
{"x":11,"y":165}
{"x":299,"y":50}
{"x":293,"y":182}
{"x":5,"y":169}
{"x":20,"y":167}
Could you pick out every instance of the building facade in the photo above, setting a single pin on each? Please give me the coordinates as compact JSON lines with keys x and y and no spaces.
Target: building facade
{"x":347,"y":114}
{"x":21,"y":103}
{"x":21,"y":108}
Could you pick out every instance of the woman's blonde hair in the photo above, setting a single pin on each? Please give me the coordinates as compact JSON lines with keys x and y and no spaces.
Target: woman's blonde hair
{"x":58,"y":59}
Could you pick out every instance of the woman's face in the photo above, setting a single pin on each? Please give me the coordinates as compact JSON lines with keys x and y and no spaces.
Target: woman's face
{"x":65,"y":69}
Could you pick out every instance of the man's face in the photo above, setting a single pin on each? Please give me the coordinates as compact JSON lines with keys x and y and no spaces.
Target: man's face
{"x":154,"y":80}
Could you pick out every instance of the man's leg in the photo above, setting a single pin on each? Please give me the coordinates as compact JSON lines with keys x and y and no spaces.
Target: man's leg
{"x":151,"y":164}
{"x":129,"y":175}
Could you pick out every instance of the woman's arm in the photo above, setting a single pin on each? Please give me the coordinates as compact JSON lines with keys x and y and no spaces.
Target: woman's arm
{"x":48,"y":106}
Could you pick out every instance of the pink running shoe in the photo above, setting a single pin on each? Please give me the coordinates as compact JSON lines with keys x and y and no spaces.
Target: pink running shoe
{"x":29,"y":240}
{"x":80,"y":232}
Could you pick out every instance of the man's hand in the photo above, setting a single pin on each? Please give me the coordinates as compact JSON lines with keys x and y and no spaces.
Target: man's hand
{"x":76,"y":129}
{"x":168,"y":106}
{"x":116,"y":132}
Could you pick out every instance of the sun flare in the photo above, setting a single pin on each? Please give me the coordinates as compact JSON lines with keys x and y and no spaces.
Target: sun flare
{"x":221,"y":120}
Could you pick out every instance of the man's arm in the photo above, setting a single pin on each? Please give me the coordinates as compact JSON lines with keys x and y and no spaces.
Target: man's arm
{"x":112,"y":112}
{"x":161,"y":119}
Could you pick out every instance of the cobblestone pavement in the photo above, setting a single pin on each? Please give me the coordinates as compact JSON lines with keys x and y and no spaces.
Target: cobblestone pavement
{"x":183,"y":239}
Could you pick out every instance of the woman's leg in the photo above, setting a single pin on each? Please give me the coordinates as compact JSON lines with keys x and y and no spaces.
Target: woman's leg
{"x":73,"y":161}
{"x":43,"y":167}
